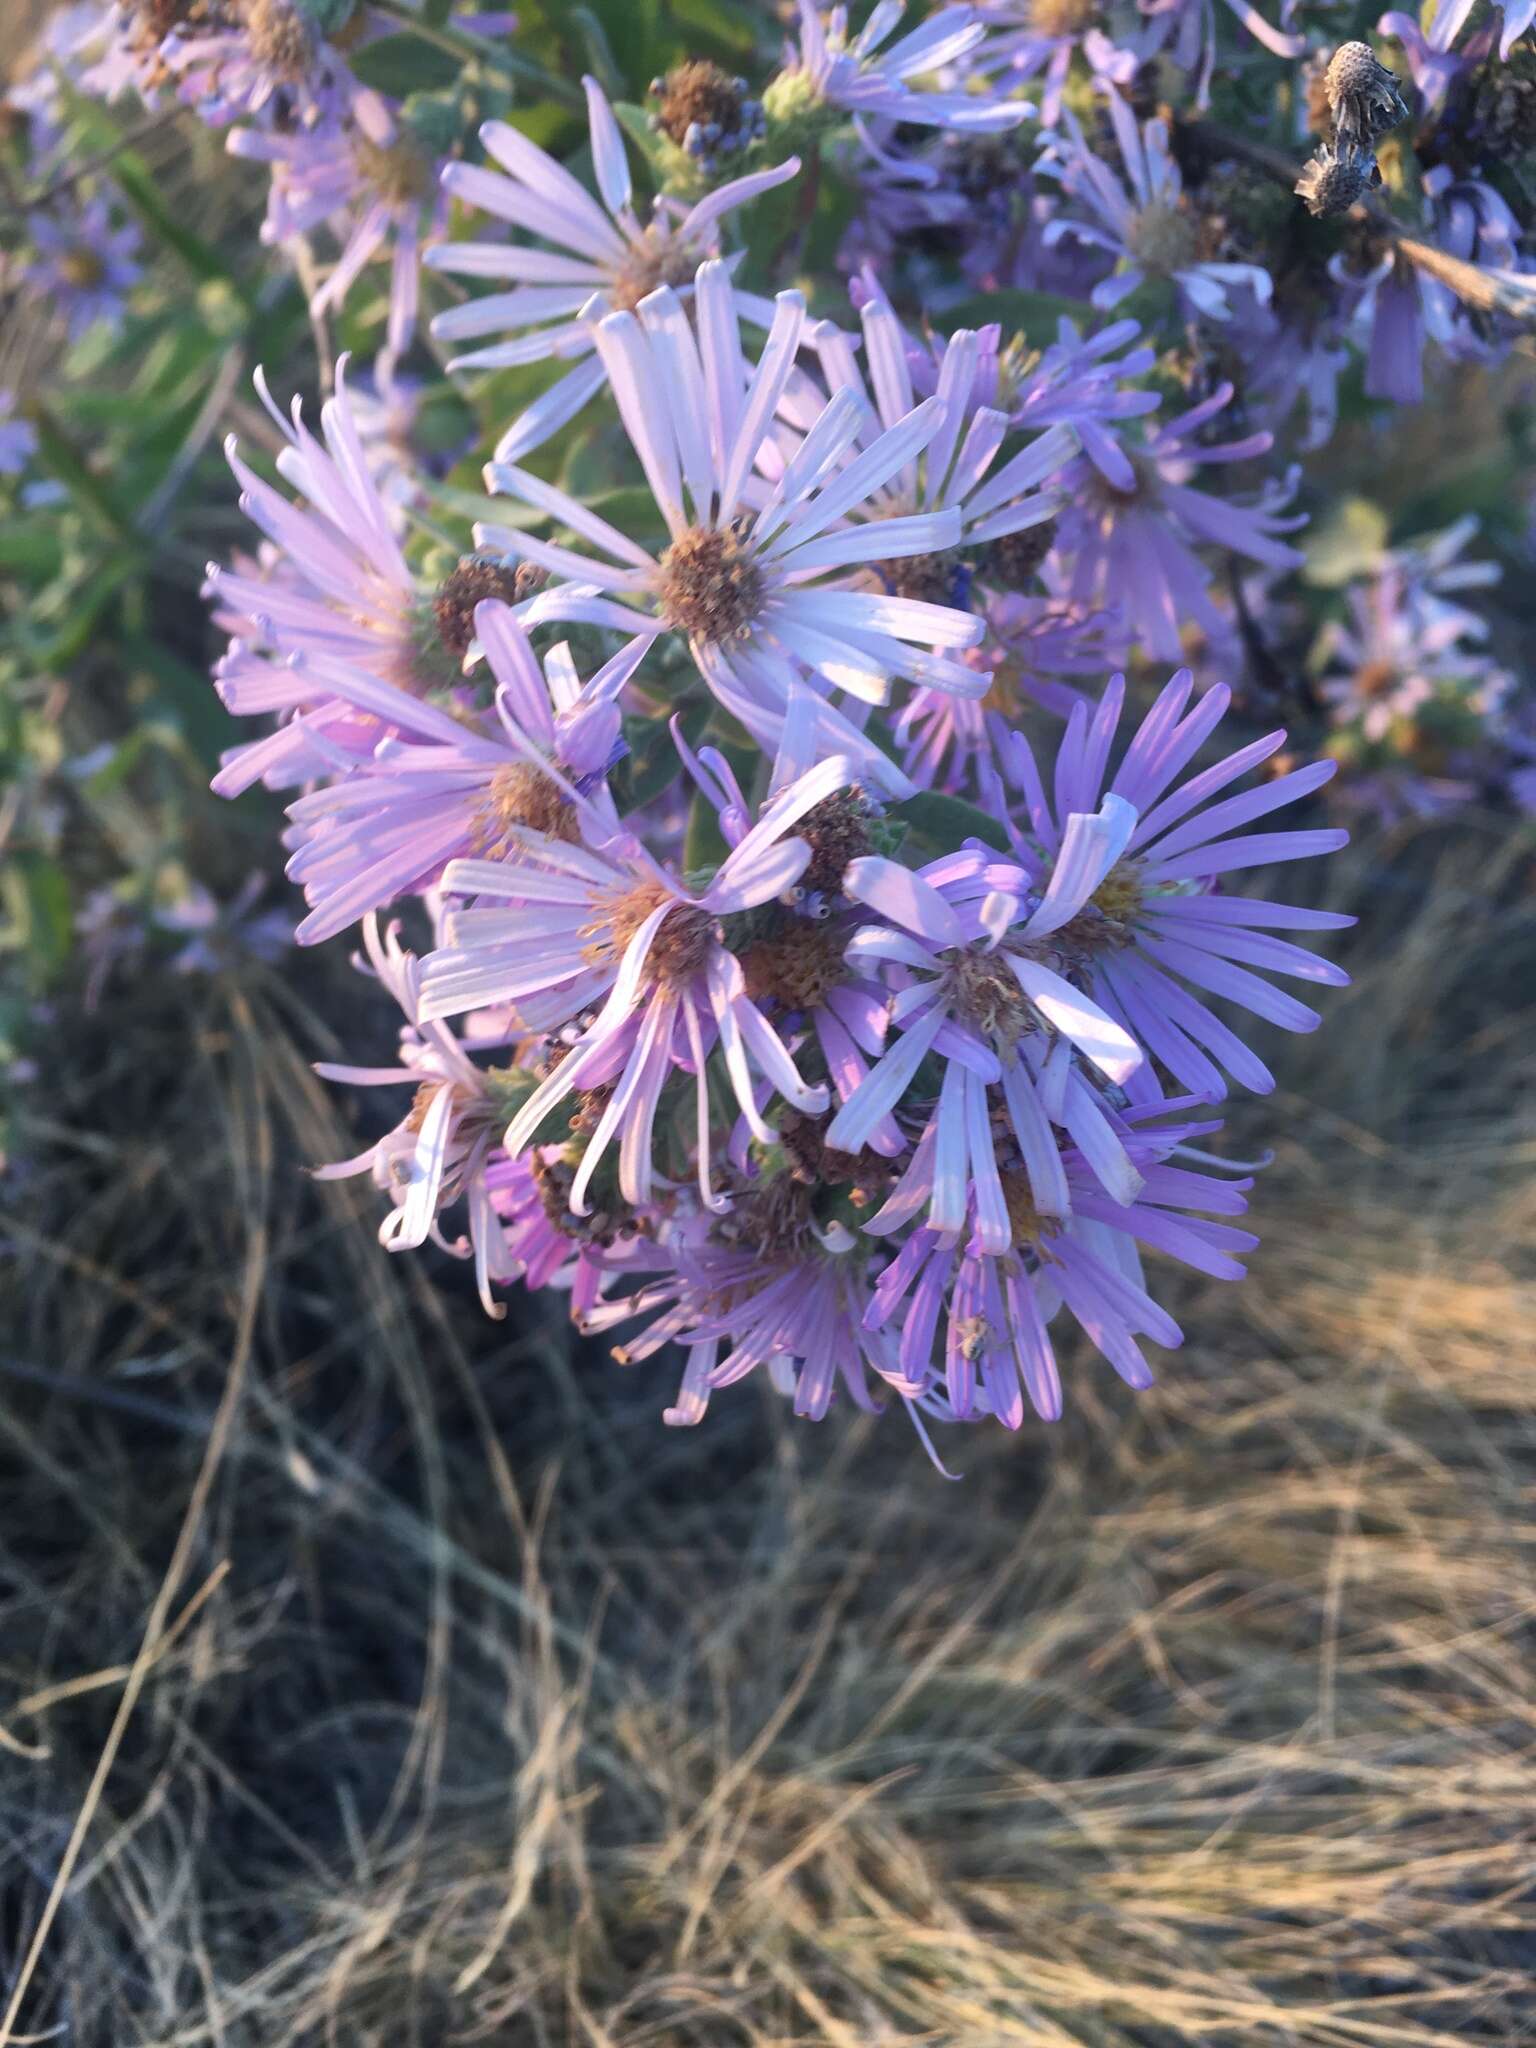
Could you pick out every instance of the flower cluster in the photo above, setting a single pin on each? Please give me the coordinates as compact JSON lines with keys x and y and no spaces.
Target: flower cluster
{"x":739,"y":1039}
{"x":823,"y":936}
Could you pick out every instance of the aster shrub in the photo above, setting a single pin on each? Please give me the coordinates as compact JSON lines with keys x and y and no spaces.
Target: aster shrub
{"x":785,"y":596}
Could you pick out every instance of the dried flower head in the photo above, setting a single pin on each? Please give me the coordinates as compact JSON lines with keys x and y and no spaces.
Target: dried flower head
{"x":1333,"y":180}
{"x":1363,"y":95}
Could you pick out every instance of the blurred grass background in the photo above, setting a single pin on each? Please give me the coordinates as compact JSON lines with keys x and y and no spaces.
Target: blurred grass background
{"x":447,"y":1697}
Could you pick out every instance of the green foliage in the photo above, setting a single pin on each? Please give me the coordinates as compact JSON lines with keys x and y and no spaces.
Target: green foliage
{"x":404,"y":64}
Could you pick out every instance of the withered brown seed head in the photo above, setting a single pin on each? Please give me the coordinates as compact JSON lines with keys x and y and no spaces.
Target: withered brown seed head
{"x":698,"y":92}
{"x":1013,"y":559}
{"x":1331,"y":183}
{"x":711,"y":588}
{"x":798,"y":965}
{"x":474,"y":580}
{"x":818,"y":1164}
{"x":1353,"y":68}
{"x":928,"y":578}
{"x":1363,"y":95}
{"x":837,"y":831}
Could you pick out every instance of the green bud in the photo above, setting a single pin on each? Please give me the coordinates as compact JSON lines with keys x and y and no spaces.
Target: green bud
{"x":796,"y":114}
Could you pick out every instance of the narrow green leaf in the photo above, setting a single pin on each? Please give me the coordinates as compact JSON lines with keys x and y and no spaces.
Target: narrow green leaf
{"x":405,"y":64}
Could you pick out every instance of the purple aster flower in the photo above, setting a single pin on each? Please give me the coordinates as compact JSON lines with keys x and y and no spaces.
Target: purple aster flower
{"x":787,"y":1298}
{"x":332,"y":606}
{"x":1420,"y":707}
{"x":1432,"y":61}
{"x":1157,"y":927}
{"x":1039,"y":38}
{"x":579,"y":930}
{"x":390,"y":827}
{"x":1393,"y":309}
{"x":998,"y":503}
{"x":794,"y":961}
{"x":1032,"y":645}
{"x":755,"y":575}
{"x":439,"y":1153}
{"x":271,"y":60}
{"x":1518,"y":16}
{"x":990,"y":1308}
{"x":1081,"y":384}
{"x":970,"y":945}
{"x":1185,"y":32}
{"x":586,"y":252}
{"x":334,"y":588}
{"x":371,"y":183}
{"x":1142,"y":222}
{"x":831,"y":74}
{"x":1135,"y":548}
{"x":82,"y":265}
{"x":1292,"y":356}
{"x":18,"y":437}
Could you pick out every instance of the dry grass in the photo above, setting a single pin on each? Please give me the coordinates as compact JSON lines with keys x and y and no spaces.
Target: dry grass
{"x":1204,"y":1719}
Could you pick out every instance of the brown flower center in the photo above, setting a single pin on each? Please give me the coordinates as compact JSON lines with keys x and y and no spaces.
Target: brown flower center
{"x":1062,"y":17}
{"x":985,"y":991}
{"x":817,"y":1164}
{"x":682,"y":944}
{"x":470,"y":584}
{"x":81,"y":268}
{"x":658,"y":258}
{"x":837,"y":831}
{"x":522,"y":795}
{"x":279,"y":37}
{"x":711,"y":588}
{"x":798,"y":965}
{"x":931,"y":579}
{"x":1120,"y":893}
{"x":1013,"y":559}
{"x":1374,"y":678}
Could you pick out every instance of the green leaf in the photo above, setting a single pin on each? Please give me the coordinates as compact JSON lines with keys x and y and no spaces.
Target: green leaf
{"x":39,"y":915}
{"x":945,"y":822}
{"x":404,"y":64}
{"x":704,"y":844}
{"x":1349,"y":543}
{"x":1032,"y":314}
{"x":137,"y":184}
{"x":599,"y":51}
